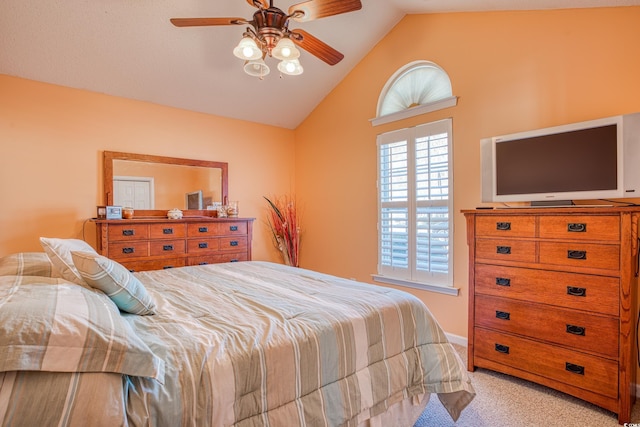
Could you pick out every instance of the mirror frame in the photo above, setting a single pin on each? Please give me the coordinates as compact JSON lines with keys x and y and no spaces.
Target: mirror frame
{"x":110,"y":156}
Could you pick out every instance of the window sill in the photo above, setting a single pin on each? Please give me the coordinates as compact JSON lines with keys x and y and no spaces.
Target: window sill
{"x":447,"y":290}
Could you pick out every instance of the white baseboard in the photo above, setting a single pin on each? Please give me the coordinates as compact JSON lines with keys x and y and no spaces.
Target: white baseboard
{"x":456,"y":339}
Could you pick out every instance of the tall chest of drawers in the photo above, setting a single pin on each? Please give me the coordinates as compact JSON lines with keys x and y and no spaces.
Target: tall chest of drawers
{"x":157,"y":243}
{"x":553,"y":299}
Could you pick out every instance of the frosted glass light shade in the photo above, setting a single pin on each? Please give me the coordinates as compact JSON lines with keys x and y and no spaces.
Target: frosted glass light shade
{"x":256,"y":68}
{"x":292,"y":68}
{"x":247,"y":49}
{"x":285,"y":50}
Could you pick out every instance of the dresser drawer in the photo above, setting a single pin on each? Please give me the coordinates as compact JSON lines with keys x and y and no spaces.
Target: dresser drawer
{"x":167,"y":231}
{"x":128,"y":232}
{"x":158,"y":264}
{"x":585,"y":371}
{"x":580,"y":254}
{"x":218,"y":258}
{"x":598,"y":294}
{"x":506,"y":250}
{"x":231,"y":228}
{"x":132,"y":249}
{"x":166,"y":247}
{"x":236,"y":243}
{"x":202,"y":229}
{"x":570,"y":328}
{"x":580,"y":227}
{"x":505,"y":226}
{"x":195,"y":246}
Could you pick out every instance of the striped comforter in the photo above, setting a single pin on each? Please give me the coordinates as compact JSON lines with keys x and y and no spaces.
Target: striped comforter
{"x":261,"y":344}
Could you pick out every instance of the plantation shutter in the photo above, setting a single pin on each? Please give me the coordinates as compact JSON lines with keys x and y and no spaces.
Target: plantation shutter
{"x":414,"y":227}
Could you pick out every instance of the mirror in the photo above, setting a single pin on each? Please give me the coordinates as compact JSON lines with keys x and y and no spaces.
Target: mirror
{"x":162,"y":183}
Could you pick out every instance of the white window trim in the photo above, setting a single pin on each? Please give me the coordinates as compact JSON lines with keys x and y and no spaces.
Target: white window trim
{"x":441,"y":289}
{"x":440,"y":104}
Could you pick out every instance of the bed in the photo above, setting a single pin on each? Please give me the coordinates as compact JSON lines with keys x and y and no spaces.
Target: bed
{"x":236,"y":344}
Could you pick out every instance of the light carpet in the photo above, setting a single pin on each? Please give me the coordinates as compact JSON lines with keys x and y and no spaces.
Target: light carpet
{"x":503,"y":400}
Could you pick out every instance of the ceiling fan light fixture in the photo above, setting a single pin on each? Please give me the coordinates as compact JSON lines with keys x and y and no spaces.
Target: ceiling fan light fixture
{"x":285,"y":50}
{"x":256,"y":68}
{"x":290,"y":67}
{"x":247,"y":49}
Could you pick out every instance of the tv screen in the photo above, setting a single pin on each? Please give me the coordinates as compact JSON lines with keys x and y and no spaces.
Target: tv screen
{"x":579,"y":160}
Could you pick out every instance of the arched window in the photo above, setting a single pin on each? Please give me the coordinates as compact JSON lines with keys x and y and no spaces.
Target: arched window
{"x":416,"y":88}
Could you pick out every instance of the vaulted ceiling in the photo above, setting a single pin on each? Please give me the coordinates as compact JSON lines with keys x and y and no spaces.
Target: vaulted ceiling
{"x":130,"y":49}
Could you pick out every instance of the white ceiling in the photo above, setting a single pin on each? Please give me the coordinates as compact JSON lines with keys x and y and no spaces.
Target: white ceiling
{"x":129,"y":49}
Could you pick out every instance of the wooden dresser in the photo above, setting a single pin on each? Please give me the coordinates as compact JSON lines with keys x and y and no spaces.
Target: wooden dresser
{"x":157,"y":243}
{"x":552,"y":299}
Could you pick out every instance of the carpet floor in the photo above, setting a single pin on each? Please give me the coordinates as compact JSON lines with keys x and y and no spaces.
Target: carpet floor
{"x":503,"y":400}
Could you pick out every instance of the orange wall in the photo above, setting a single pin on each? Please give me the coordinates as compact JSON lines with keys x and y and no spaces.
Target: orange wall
{"x":512,"y":71}
{"x":52,"y":139}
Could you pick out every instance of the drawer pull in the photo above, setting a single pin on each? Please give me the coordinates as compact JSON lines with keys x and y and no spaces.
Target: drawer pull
{"x":577,"y":254}
{"x":576,"y":227}
{"x":233,"y":228}
{"x":203,"y":263}
{"x":233,"y":260}
{"x":574,"y":369}
{"x":203,"y":229}
{"x":576,"y":330}
{"x":128,"y":232}
{"x":504,"y":315}
{"x":500,"y":348}
{"x":233,"y":243}
{"x":503,"y":250}
{"x":131,"y":270}
{"x":167,"y":231}
{"x":203,"y":245}
{"x":166,"y":267}
{"x":501,"y":281}
{"x":128,"y":250}
{"x":576,"y":292}
{"x":503,"y":226}
{"x":167,"y":248}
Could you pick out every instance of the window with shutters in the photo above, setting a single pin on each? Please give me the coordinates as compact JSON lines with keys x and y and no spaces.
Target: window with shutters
{"x":415,"y":202}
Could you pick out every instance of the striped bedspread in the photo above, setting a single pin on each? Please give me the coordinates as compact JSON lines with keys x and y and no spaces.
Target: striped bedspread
{"x":261,"y":344}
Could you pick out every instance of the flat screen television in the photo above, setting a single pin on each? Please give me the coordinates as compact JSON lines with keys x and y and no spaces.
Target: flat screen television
{"x":596,"y":159}
{"x":194,"y":200}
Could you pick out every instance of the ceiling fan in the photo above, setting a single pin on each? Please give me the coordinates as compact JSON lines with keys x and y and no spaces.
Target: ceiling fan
{"x":268,"y":33}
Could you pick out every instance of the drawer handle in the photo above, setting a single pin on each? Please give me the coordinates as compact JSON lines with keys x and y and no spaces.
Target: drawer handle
{"x":203,"y":229}
{"x":503,"y":250}
{"x":577,"y":254}
{"x":166,"y":267}
{"x":131,"y":270}
{"x":167,"y":248}
{"x":576,"y":227}
{"x":574,"y":369}
{"x":502,"y":281}
{"x":576,"y":292}
{"x":233,"y":260}
{"x":500,"y":348}
{"x":167,"y":231}
{"x":233,"y":243}
{"x":128,"y":232}
{"x":576,"y":330}
{"x":233,"y":228}
{"x":128,"y":250}
{"x":504,"y":315}
{"x":203,"y":245}
{"x":503,"y":226}
{"x":203,"y":263}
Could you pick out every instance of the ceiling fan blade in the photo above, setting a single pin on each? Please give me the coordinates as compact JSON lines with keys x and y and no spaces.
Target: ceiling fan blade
{"x":260,"y":4}
{"x":315,"y":9}
{"x":316,"y":47}
{"x":203,"y":22}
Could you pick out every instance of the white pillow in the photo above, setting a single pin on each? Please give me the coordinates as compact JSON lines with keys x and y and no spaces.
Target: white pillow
{"x":59,"y":253}
{"x":116,"y":281}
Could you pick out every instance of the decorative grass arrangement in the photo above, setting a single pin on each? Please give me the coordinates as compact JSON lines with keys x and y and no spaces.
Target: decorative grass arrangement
{"x":284,"y":222}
